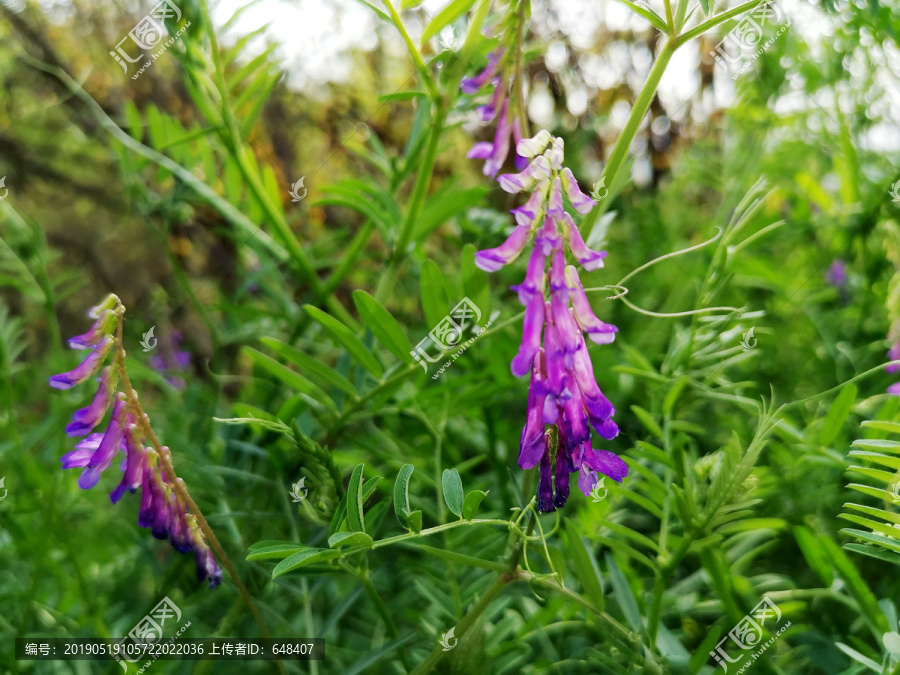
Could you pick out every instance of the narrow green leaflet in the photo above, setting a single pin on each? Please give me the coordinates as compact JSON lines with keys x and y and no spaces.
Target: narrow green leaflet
{"x":453,"y":491}
{"x":624,"y":597}
{"x":355,"y":500}
{"x":309,"y":364}
{"x":383,"y":326}
{"x":350,"y":539}
{"x":472,"y":502}
{"x":276,"y":551}
{"x":306,"y":557}
{"x":401,"y":494}
{"x":346,"y":338}
{"x":435,"y":303}
{"x":837,"y":414}
{"x":445,"y":17}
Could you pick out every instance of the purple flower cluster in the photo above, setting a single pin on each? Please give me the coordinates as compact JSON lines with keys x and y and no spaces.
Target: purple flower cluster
{"x":495,"y":76}
{"x":894,"y":355}
{"x":160,"y":509}
{"x":563,"y":392}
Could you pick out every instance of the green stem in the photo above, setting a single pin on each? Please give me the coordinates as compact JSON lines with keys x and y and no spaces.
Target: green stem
{"x":492,"y":591}
{"x":713,"y":22}
{"x":414,"y":53}
{"x":439,"y":528}
{"x":641,"y":106}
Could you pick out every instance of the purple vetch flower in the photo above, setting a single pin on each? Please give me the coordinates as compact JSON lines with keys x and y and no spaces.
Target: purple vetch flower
{"x":534,"y":279}
{"x":500,"y":146}
{"x":108,"y":447}
{"x":84,"y":420}
{"x":492,"y":259}
{"x":565,"y":404}
{"x":536,"y":171}
{"x":171,"y":359}
{"x":893,"y":355}
{"x":837,"y":274}
{"x":470,"y":85}
{"x":580,"y":201}
{"x":160,"y":507}
{"x":531,"y":336}
{"x":87,"y":367}
{"x":599,"y":332}
{"x":586,"y":257}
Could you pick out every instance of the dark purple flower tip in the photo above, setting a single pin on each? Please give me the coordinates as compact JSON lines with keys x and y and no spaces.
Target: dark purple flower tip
{"x":87,"y":367}
{"x":531,"y":336}
{"x":607,"y":429}
{"x":492,"y":259}
{"x":135,"y":460}
{"x":145,"y":513}
{"x":545,"y":485}
{"x":561,"y":480}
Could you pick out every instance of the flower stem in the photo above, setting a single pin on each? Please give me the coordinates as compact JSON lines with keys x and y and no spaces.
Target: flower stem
{"x":178,"y":486}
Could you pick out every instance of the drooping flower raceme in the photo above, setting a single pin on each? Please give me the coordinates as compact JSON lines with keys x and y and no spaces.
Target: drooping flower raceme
{"x":161,"y":508}
{"x":564,"y":401}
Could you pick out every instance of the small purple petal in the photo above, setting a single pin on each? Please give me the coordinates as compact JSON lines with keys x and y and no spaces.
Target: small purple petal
{"x":104,"y":325}
{"x":531,"y":336}
{"x":545,"y":486}
{"x":532,"y":147}
{"x":492,"y":259}
{"x":580,"y":201}
{"x":534,"y":278}
{"x":84,"y":420}
{"x":548,"y":238}
{"x":530,"y":211}
{"x":598,"y":331}
{"x":587,"y":258}
{"x":606,"y":462}
{"x":538,"y":170}
{"x":520,"y":161}
{"x":555,"y":209}
{"x":532,"y":444}
{"x":87,"y":367}
{"x":482,"y":150}
{"x":501,"y":144}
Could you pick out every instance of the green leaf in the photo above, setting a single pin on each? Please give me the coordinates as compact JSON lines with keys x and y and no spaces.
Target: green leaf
{"x":401,"y":96}
{"x":623,"y":595}
{"x":837,"y":414}
{"x":472,"y":502}
{"x":355,"y":501}
{"x":705,"y":5}
{"x":874,"y":552}
{"x":673,"y":394}
{"x":453,"y":490}
{"x":435,"y":303}
{"x":346,"y":338}
{"x":276,"y":551}
{"x":288,"y":377}
{"x":415,"y":521}
{"x":647,"y":420}
{"x":445,"y":17}
{"x":383,"y":326}
{"x":586,"y":569}
{"x":368,"y":488}
{"x":339,"y":539}
{"x":648,"y":14}
{"x":303,"y":558}
{"x":340,"y":514}
{"x":308,"y":363}
{"x":401,"y":494}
